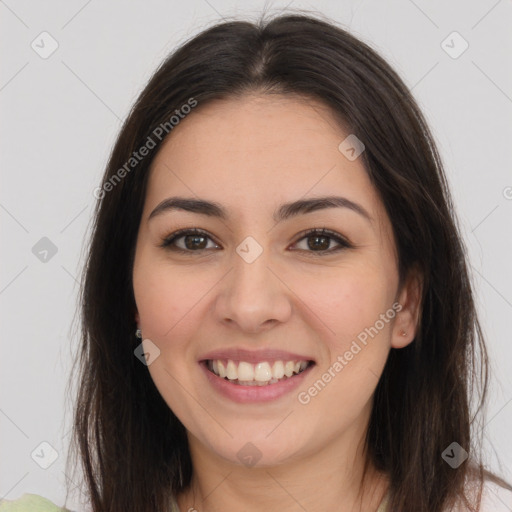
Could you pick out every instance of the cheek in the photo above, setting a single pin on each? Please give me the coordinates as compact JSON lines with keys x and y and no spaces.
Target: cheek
{"x":352,"y":305}
{"x":173,"y":302}
{"x":346,"y":300}
{"x":169,"y":301}
{"x":168,"y":297}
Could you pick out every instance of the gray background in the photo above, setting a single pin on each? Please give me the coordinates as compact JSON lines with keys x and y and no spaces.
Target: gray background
{"x":60,"y":117}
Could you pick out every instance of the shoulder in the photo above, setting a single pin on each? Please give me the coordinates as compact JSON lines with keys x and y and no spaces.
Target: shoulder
{"x":30,"y":503}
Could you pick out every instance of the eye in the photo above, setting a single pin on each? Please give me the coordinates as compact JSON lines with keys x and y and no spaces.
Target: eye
{"x":193,"y":240}
{"x":319,"y":241}
{"x":316,"y":240}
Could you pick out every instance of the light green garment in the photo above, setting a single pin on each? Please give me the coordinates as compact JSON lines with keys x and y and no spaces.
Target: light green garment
{"x":36,"y":503}
{"x":30,"y":503}
{"x":383,"y":506}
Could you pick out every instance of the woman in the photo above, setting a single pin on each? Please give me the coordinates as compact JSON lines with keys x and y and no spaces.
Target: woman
{"x":277,"y":313}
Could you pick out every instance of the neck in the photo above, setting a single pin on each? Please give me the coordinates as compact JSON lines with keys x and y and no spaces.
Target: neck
{"x":329,"y":479}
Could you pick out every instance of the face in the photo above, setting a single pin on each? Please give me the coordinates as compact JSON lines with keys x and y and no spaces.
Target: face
{"x":253,"y":295}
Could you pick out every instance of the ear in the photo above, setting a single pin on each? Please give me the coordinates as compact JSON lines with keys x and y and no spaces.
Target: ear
{"x":407,"y":318}
{"x":137,"y":318}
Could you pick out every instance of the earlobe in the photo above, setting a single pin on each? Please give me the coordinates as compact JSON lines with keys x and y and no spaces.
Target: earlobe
{"x":407,"y":319}
{"x":401,"y":338}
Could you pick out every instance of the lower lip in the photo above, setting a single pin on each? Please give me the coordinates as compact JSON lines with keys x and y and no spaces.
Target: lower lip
{"x":250,"y":394}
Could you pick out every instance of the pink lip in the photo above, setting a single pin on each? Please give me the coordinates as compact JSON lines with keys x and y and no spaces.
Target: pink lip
{"x":255,"y":356}
{"x":251,"y":394}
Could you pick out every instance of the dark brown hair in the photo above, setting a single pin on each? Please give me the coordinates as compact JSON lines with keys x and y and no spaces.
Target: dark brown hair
{"x":132,"y":448}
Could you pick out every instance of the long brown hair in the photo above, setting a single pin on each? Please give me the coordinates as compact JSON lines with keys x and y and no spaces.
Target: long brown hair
{"x":132,"y":449}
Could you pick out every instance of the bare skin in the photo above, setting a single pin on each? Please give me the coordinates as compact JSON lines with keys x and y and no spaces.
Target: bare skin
{"x":250,"y":155}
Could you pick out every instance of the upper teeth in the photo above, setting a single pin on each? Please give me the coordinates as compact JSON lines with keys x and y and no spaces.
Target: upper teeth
{"x":259,"y":372}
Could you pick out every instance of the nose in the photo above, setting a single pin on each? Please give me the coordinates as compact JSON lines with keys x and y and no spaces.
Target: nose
{"x":252,"y":297}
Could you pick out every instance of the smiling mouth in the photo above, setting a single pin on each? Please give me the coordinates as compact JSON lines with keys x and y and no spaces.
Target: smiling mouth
{"x":264,"y":373}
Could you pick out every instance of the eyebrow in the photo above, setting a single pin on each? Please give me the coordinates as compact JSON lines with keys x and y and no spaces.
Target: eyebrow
{"x":284,"y":212}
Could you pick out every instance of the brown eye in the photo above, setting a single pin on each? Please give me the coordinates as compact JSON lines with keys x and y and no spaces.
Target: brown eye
{"x":195,"y":241}
{"x":320,"y":240}
{"x":188,"y":240}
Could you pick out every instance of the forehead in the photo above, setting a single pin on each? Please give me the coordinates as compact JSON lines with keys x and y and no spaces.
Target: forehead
{"x":259,"y":149}
{"x":266,"y":127}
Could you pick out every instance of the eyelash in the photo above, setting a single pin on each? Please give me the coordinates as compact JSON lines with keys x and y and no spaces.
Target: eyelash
{"x":323,"y":232}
